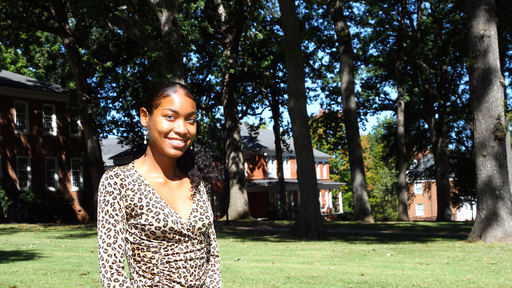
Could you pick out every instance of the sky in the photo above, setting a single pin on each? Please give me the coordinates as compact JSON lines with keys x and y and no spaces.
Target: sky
{"x":313,"y":108}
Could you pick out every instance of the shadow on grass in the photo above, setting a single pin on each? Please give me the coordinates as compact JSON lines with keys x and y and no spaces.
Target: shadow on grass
{"x":354,"y":237}
{"x":424,"y":226}
{"x":17,"y":255}
{"x":83,"y":234}
{"x":9,"y":230}
{"x":59,"y":231}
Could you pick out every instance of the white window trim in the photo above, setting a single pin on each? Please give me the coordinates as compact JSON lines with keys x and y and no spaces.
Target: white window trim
{"x":27,"y":122}
{"x":324,"y":168}
{"x":78,"y":123}
{"x":54,"y":120}
{"x":418,"y":184}
{"x":55,"y":174}
{"x":29,"y":172}
{"x":75,"y":188}
{"x":418,"y":210}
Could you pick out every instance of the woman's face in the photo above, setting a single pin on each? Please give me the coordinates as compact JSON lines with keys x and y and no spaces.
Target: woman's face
{"x":172,"y":125}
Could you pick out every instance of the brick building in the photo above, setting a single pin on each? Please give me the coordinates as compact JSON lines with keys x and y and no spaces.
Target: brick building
{"x":42,"y":148}
{"x":262,"y":179}
{"x":422,"y":196}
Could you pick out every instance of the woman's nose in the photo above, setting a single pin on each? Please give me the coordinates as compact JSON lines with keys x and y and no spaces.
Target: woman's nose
{"x":181,"y":126}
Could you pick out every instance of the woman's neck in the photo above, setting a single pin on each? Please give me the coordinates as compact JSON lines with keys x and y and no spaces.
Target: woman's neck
{"x":153,"y":164}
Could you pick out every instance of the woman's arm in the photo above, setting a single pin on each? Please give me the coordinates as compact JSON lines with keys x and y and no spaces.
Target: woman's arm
{"x":213,"y":279}
{"x":111,"y":232}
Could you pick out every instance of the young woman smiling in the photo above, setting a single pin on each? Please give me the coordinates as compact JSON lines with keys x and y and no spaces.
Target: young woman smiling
{"x":156,"y":210}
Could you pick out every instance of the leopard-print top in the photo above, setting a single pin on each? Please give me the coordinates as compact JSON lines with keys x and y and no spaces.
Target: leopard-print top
{"x":162,"y":249}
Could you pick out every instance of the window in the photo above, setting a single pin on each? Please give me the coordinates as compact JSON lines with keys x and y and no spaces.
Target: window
{"x":76,"y":174}
{"x":326,"y":173}
{"x":271,"y":166}
{"x":75,"y":128}
{"x":49,"y":119}
{"x":286,"y":167}
{"x":52,"y":173}
{"x":21,"y":117}
{"x":318,"y":170}
{"x":418,"y":188}
{"x":23,"y":172}
{"x":420,"y":210}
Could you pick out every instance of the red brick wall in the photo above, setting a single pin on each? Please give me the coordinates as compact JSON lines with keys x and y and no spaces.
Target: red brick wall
{"x":37,"y":145}
{"x":257,"y":167}
{"x":428,"y":199}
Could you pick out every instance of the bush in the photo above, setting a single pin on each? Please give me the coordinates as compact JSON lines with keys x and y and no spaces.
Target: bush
{"x":4,"y":202}
{"x":48,"y":207}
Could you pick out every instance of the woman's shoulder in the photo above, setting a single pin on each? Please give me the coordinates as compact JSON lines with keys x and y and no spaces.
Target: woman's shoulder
{"x":119,"y":172}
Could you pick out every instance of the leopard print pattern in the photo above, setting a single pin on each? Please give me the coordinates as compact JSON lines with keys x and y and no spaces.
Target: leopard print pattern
{"x":162,"y":249}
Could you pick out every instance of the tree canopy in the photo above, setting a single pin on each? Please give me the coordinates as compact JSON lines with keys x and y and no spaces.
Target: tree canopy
{"x":240,"y":58}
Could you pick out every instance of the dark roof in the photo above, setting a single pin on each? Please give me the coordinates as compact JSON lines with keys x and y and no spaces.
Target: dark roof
{"x":264,"y":140}
{"x":111,"y":148}
{"x":422,"y":170}
{"x":9,"y":79}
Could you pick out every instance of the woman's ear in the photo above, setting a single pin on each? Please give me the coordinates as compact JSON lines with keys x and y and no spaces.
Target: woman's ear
{"x":144,"y":115}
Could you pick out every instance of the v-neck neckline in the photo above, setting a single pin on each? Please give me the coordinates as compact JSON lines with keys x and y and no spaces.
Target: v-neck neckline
{"x":189,"y":218}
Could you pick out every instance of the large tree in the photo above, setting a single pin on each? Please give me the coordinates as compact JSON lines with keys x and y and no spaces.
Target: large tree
{"x":232,"y":26}
{"x":400,"y":68}
{"x":362,"y":210}
{"x":491,"y":129}
{"x":308,"y":223}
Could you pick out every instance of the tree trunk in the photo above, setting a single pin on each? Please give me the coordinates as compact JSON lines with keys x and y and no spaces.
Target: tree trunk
{"x":439,"y":138}
{"x":309,"y":223}
{"x":172,"y":60}
{"x":95,"y":160}
{"x":167,"y":48}
{"x":403,"y":215}
{"x":436,"y":119}
{"x":362,"y":210}
{"x":238,"y":198}
{"x":494,"y":207}
{"x":276,"y":117}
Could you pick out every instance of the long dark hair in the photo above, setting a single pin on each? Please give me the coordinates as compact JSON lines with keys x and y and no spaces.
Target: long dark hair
{"x":195,"y":162}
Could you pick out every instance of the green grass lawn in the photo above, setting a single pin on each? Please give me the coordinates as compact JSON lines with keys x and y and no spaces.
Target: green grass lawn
{"x":66,"y":256}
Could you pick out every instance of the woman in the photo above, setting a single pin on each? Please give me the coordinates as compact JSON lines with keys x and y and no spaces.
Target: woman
{"x":156,"y":210}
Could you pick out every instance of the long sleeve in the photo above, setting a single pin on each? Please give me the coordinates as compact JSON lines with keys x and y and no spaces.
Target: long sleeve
{"x":213,"y":279}
{"x":111,"y":232}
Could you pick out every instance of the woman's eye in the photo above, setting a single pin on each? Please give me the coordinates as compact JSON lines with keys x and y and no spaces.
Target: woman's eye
{"x":170,"y":117}
{"x":192,"y":120}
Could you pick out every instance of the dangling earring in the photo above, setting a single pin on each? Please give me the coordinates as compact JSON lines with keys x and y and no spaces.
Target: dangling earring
{"x":145,"y":136}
